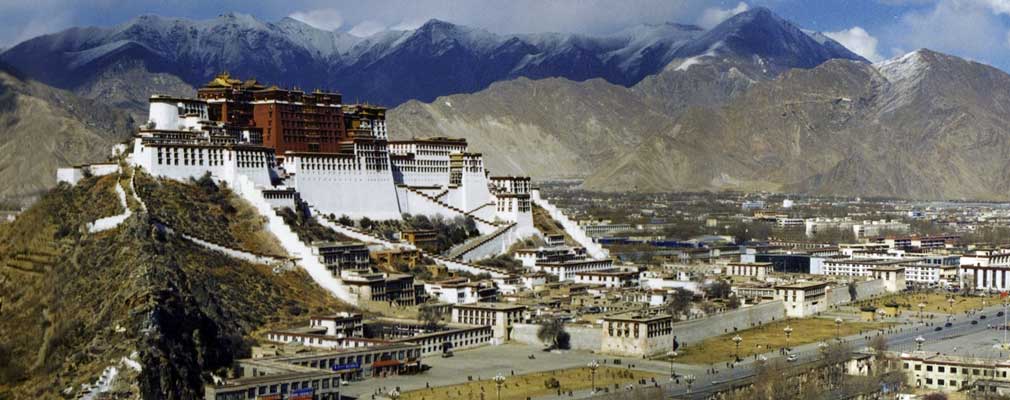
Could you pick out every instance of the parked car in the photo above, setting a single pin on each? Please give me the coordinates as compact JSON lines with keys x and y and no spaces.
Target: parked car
{"x":973,"y":322}
{"x":981,"y":317}
{"x":948,"y":324}
{"x":792,"y":358}
{"x":447,"y":354}
{"x":937,"y":329}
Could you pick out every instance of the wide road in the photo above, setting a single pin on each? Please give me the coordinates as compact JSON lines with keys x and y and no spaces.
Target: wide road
{"x":902,"y":339}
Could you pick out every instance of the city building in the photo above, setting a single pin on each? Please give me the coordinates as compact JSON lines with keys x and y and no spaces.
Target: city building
{"x":343,"y":324}
{"x":426,"y":239}
{"x":266,"y":379}
{"x":461,"y":291}
{"x":338,"y":256}
{"x":612,"y":278}
{"x":803,"y":299}
{"x":637,"y":334}
{"x":394,"y":289}
{"x":500,"y":316}
{"x":946,"y":373}
{"x":893,"y":277}
{"x":755,"y":270}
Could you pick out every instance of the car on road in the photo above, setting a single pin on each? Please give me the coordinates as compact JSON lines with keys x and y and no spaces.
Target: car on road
{"x":937,"y":329}
{"x":973,"y":322}
{"x":792,"y":358}
{"x":948,"y":325}
{"x":981,"y":317}
{"x":447,"y":354}
{"x":999,"y":314}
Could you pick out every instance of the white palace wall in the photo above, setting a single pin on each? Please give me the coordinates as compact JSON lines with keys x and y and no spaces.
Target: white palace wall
{"x":353,"y":192}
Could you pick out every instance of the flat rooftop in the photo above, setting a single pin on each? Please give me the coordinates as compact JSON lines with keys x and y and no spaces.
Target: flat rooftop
{"x":802,"y":285}
{"x":491,"y":306}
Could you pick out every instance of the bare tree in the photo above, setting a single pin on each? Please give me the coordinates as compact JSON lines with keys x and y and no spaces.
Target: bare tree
{"x":680,"y":302}
{"x":431,"y":316}
{"x":552,"y":332}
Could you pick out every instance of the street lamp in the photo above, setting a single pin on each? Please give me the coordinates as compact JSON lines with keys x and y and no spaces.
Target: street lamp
{"x":673,"y":355}
{"x":690,"y":380}
{"x":918,"y":342}
{"x":838,"y":328}
{"x":951,"y":302}
{"x":921,"y":306}
{"x":593,"y":365}
{"x":789,"y":331}
{"x":499,"y":380}
{"x":736,"y":340}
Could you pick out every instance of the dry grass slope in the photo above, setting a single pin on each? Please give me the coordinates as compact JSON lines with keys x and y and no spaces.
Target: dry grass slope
{"x":184,"y":309}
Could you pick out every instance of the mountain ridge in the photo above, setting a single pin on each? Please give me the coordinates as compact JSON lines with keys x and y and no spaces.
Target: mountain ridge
{"x":388,"y":68}
{"x":841,"y":128}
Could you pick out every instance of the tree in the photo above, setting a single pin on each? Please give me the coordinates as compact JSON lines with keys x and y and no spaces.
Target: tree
{"x":835,"y":355}
{"x":718,"y":290}
{"x":771,"y":383}
{"x":552,"y":332}
{"x":431,"y":316}
{"x":878,"y":344}
{"x":366,"y":223}
{"x":345,"y":220}
{"x":733,"y":303}
{"x":680,"y":302}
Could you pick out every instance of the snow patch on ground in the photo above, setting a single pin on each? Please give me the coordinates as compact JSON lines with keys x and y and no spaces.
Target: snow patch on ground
{"x":691,"y":61}
{"x":906,"y":67}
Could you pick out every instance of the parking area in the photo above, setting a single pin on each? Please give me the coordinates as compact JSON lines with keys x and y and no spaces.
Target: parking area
{"x":488,"y":361}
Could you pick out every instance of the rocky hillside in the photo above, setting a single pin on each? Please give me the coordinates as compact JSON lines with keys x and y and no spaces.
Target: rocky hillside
{"x":45,"y":128}
{"x":73,"y":304}
{"x":558,"y":128}
{"x":925,"y":125}
{"x":551,"y":127}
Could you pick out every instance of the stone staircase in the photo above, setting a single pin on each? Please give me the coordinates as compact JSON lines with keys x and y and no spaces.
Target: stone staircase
{"x":594,"y":249}
{"x":449,"y":263}
{"x":460,"y":251}
{"x":291,"y":243}
{"x":481,"y":223}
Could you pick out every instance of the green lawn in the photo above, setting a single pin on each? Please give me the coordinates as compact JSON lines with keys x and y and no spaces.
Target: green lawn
{"x":768,"y":337}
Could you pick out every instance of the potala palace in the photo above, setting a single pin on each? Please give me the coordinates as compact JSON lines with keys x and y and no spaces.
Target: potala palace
{"x":280,"y":148}
{"x":336,"y":158}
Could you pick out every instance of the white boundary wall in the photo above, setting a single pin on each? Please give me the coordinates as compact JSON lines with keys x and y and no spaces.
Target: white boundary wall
{"x":104,"y":224}
{"x":290,"y":242}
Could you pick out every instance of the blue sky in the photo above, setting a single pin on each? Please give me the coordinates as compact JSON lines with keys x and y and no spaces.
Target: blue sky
{"x":878,"y":29}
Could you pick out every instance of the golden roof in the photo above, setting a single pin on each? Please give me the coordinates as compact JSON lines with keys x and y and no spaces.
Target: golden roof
{"x":224,"y":80}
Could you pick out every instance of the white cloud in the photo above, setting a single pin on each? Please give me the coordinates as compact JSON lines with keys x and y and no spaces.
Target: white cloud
{"x":967,"y":28}
{"x":859,"y":41}
{"x":996,"y":6}
{"x":367,"y":28}
{"x":326,"y":18}
{"x":713,"y":16}
{"x":408,"y":24}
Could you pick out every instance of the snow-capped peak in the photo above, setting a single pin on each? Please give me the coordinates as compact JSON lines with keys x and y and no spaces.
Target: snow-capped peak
{"x":908,"y":66}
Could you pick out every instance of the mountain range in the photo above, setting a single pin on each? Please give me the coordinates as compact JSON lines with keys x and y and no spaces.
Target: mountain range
{"x":386,"y":68}
{"x":45,"y":128}
{"x":924,"y":125}
{"x":755,"y":103}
